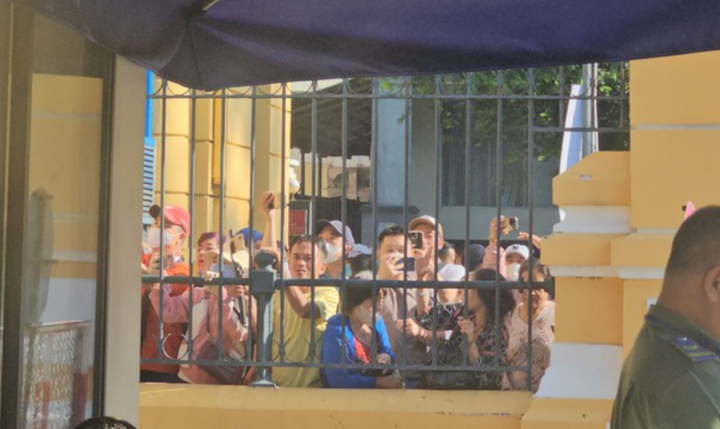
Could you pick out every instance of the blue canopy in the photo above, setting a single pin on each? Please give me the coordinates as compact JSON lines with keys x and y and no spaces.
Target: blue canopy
{"x":244,"y":42}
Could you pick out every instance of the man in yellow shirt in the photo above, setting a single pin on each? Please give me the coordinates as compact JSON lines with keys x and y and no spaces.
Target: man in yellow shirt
{"x":305,"y":316}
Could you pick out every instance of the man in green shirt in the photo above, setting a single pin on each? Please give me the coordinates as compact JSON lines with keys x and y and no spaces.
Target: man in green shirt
{"x":671,"y":379}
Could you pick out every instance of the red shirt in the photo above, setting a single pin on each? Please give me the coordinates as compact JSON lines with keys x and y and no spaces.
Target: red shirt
{"x":172,"y":331}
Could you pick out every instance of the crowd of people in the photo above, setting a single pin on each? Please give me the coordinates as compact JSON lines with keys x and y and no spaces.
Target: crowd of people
{"x":356,"y":336}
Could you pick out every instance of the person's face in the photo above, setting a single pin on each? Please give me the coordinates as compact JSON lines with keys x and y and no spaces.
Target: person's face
{"x":205,"y":245}
{"x":514,"y":258}
{"x":429,"y":236}
{"x":539,"y":296}
{"x":474,"y":302}
{"x":174,"y":236}
{"x":301,"y":263}
{"x":450,"y":258}
{"x":393,"y":245}
{"x":330,"y":235}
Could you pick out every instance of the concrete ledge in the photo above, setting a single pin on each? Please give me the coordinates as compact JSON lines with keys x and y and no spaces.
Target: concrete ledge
{"x":196,"y":406}
{"x":641,"y":250}
{"x":578,"y":249}
{"x":601,"y":179}
{"x":582,"y":371}
{"x":568,"y":414}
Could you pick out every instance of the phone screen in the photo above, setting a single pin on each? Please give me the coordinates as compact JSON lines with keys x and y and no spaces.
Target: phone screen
{"x":416,"y":239}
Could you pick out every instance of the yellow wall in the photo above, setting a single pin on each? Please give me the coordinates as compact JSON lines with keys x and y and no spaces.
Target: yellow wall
{"x":208,"y":135}
{"x":65,"y":134}
{"x":228,"y":407}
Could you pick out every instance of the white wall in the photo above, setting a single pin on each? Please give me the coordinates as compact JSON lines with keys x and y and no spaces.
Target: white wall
{"x":123,"y":323}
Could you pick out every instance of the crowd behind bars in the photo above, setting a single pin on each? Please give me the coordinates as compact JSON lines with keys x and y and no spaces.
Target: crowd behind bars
{"x":430,"y":337}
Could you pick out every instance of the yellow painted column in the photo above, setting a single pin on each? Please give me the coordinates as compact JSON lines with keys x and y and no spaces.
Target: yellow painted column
{"x":675,"y":151}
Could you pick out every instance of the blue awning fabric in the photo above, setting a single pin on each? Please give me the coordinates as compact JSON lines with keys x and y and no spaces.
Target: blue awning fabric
{"x":244,"y":42}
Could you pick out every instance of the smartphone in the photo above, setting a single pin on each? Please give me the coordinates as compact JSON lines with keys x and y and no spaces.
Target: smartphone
{"x":416,"y":239}
{"x":514,"y":223}
{"x":409,"y":263}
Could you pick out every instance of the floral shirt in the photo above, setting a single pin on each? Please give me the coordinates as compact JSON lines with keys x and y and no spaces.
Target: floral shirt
{"x":451,"y":353}
{"x":543,"y":335}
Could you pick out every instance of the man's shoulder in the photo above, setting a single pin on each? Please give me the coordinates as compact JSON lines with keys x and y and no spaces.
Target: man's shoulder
{"x":660,"y":362}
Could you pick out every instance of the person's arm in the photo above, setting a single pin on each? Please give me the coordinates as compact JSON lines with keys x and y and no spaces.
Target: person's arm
{"x":175,"y":307}
{"x":385,"y":346}
{"x":268,"y":203}
{"x":233,"y":332}
{"x":342,"y":378}
{"x":325,"y":305}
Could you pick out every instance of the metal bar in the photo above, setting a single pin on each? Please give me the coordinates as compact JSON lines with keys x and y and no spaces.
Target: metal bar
{"x":415,"y":96}
{"x":484,"y":284}
{"x":221,"y":226}
{"x":498,"y":195}
{"x":403,"y":308}
{"x":438,"y":191}
{"x":374,"y":185}
{"x":313,"y":221}
{"x":419,"y":367}
{"x":262,"y":372}
{"x":191,"y":237}
{"x":163,"y":163}
{"x":531,"y":216}
{"x":343,"y":200}
{"x":283,"y":205}
{"x":468,"y":153}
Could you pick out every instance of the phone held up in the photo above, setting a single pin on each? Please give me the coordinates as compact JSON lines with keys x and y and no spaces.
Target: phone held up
{"x":416,"y":239}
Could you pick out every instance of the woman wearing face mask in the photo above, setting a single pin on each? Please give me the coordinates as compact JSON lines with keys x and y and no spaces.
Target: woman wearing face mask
{"x":348,"y":339}
{"x":542,"y":318}
{"x":166,"y":247}
{"x":207,"y":309}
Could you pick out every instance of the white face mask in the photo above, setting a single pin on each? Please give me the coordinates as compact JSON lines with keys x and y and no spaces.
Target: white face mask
{"x":334,"y":253}
{"x":154,"y":238}
{"x":512,"y":272}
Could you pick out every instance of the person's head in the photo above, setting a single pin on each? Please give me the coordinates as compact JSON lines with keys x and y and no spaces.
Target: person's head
{"x":692,"y":276}
{"x":475,"y":256}
{"x":331,"y":232}
{"x":541,"y":273}
{"x":176,"y":229}
{"x":360,"y":263}
{"x":252,"y":238}
{"x":516,"y":254}
{"x":301,"y":263}
{"x":391,"y":241}
{"x":447,"y":253}
{"x":357,"y":301}
{"x":207,"y":241}
{"x":483,"y":298}
{"x":426,"y":224}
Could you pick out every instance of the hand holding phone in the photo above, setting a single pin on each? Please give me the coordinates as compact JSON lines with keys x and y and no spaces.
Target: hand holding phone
{"x":417,"y":239}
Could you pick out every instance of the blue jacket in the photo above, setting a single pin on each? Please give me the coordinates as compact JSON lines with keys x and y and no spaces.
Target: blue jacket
{"x":332,"y":346}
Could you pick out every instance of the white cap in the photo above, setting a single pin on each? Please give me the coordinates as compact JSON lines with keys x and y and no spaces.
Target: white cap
{"x":427,"y":220}
{"x":359,"y":249}
{"x":452,"y":272}
{"x":518,"y":249}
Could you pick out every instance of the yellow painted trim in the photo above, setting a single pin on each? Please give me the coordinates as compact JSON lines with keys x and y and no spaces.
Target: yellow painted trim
{"x":578,"y":249}
{"x":568,"y":414}
{"x":635,"y":303}
{"x":601,"y":179}
{"x":194,"y":406}
{"x":588,"y":310}
{"x":641,"y":250}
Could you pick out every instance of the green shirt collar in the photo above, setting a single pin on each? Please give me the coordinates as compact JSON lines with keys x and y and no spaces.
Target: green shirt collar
{"x":683,"y":326}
